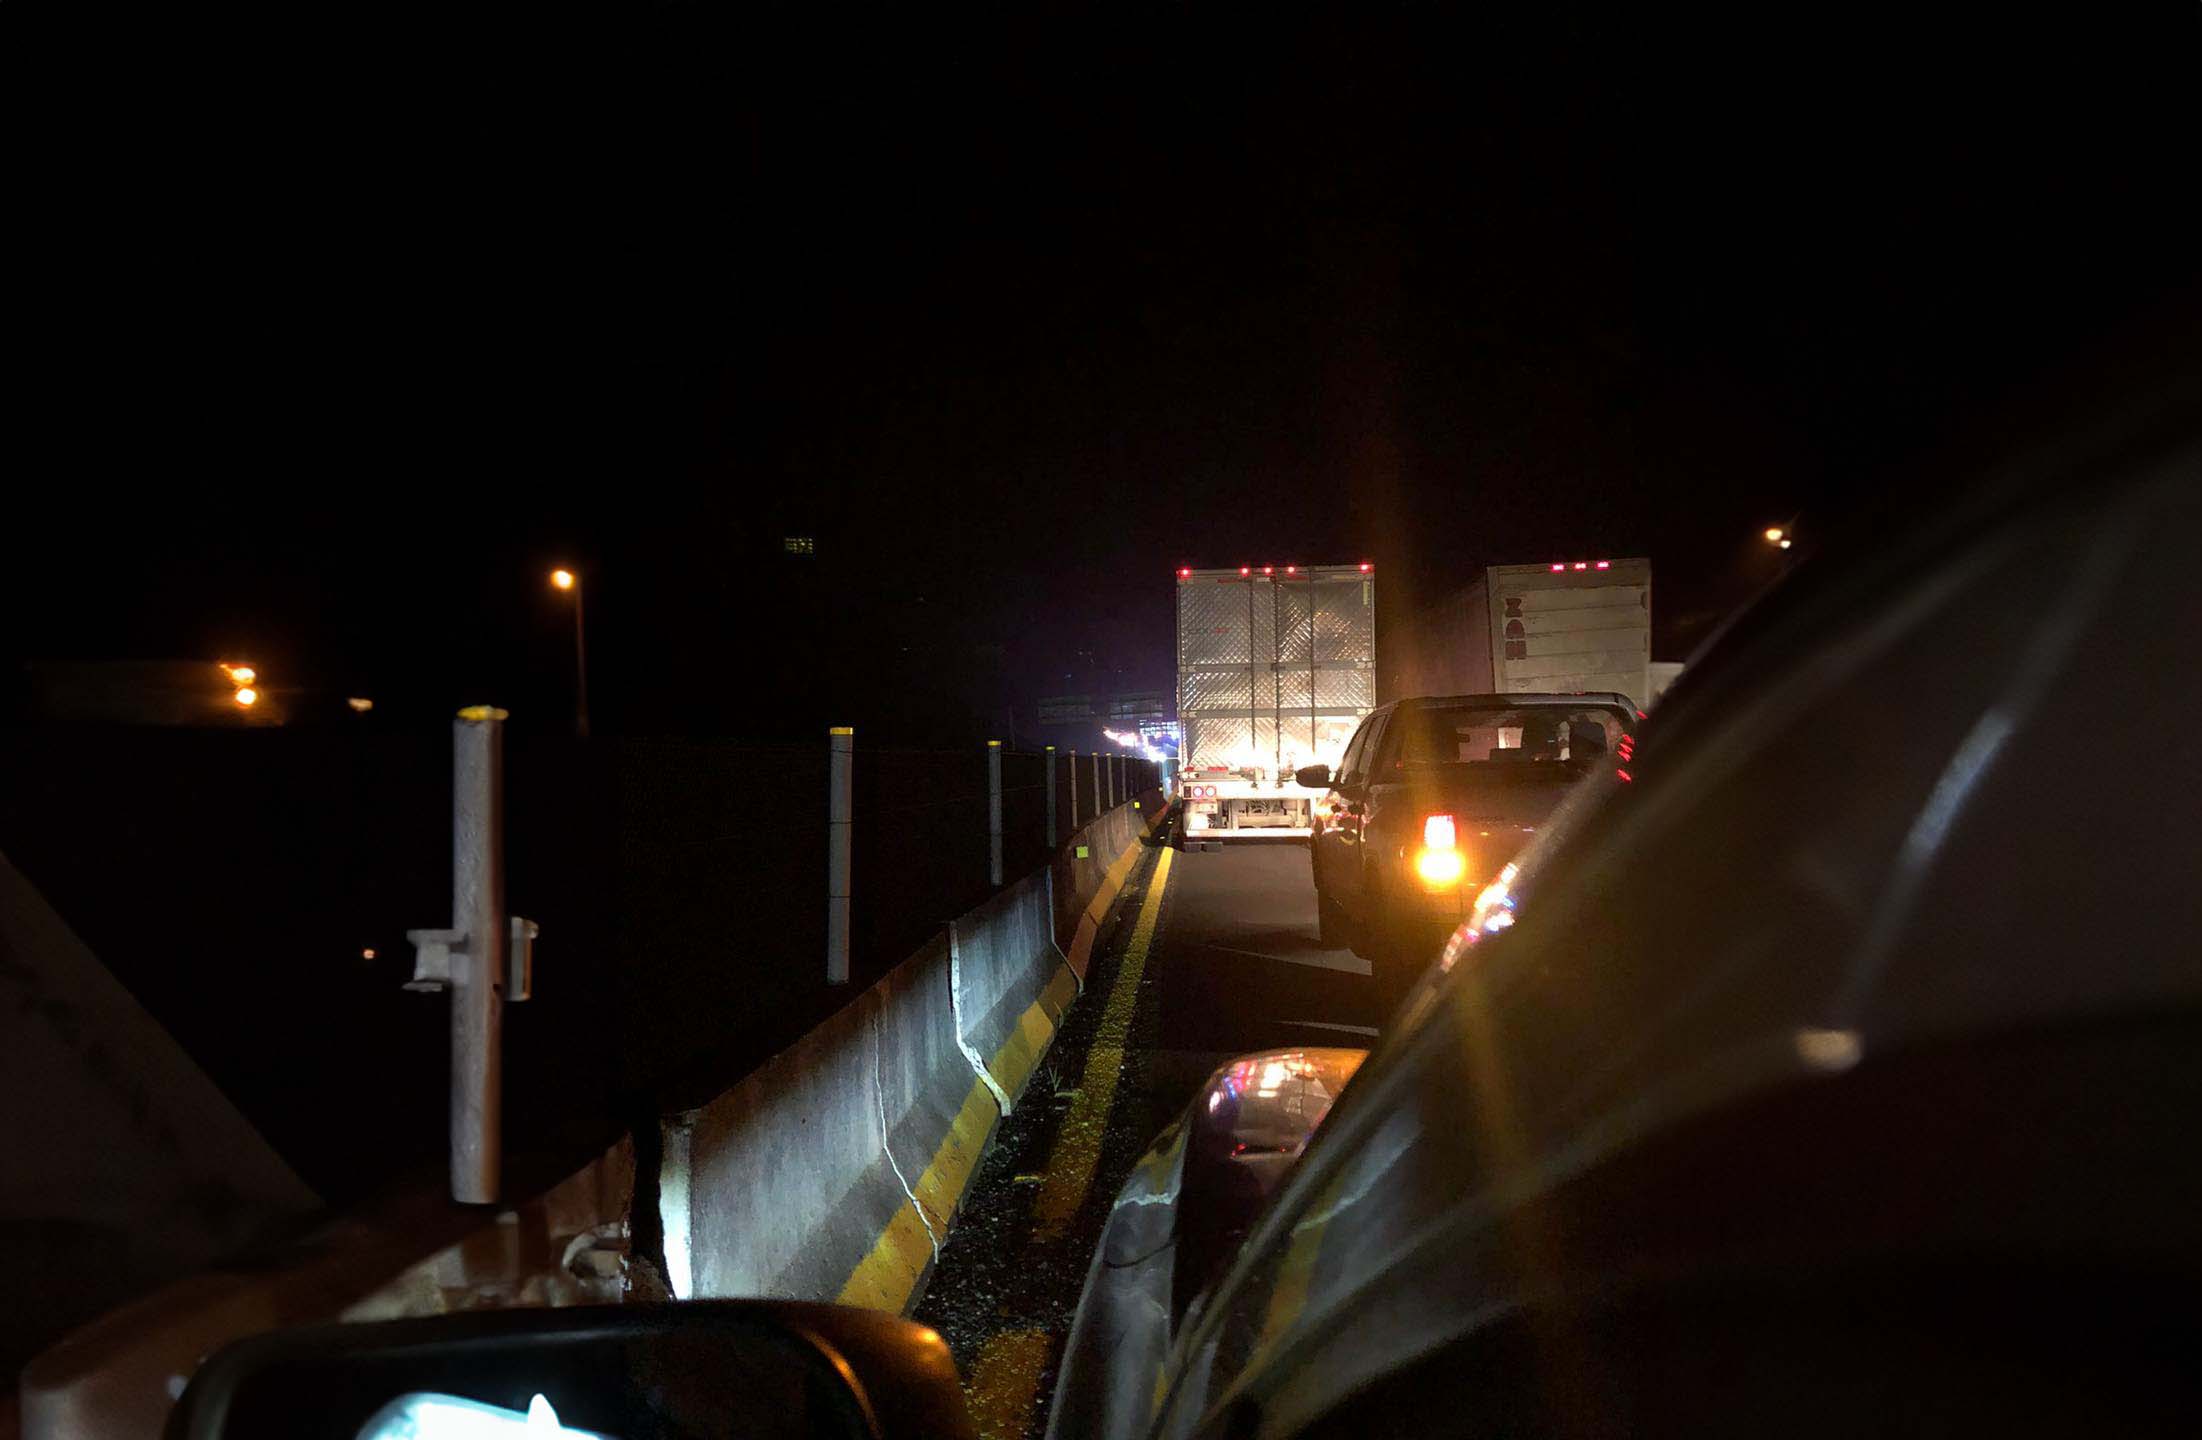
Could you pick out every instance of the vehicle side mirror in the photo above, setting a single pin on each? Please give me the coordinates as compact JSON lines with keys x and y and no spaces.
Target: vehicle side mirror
{"x":1314,"y":777}
{"x":779,"y":1369}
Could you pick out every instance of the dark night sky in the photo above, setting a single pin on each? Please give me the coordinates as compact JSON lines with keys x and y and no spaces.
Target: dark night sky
{"x":326,"y":362}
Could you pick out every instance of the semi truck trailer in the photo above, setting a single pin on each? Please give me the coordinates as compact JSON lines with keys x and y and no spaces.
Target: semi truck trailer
{"x":1276,"y":666}
{"x":1563,"y":626}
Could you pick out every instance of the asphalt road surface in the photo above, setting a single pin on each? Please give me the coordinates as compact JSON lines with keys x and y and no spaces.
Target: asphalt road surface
{"x":1208,"y":955}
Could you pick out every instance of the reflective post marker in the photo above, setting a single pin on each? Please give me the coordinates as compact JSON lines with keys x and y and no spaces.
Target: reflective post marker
{"x":840,"y":799}
{"x":994,"y":811}
{"x":1051,"y":797}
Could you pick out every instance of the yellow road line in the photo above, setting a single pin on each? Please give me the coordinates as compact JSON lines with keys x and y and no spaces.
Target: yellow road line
{"x":1006,"y":1381}
{"x":1077,"y":1151}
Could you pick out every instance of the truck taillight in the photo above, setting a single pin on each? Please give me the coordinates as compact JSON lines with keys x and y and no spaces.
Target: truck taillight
{"x":1440,"y":862}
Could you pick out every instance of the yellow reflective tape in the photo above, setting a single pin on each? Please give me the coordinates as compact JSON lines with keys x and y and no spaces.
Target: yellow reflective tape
{"x":476,"y":714}
{"x":842,"y":730}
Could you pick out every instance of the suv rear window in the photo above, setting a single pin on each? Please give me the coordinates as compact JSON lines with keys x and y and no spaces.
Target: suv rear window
{"x":1543,"y":736}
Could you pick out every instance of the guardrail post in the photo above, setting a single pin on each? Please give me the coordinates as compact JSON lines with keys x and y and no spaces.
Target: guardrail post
{"x":1074,"y":791}
{"x":1113,"y":765}
{"x":994,"y":811}
{"x":1051,"y":797}
{"x":840,"y":799}
{"x":1098,"y":758}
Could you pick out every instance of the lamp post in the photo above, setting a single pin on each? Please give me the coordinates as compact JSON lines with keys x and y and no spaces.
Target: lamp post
{"x":568,"y":581}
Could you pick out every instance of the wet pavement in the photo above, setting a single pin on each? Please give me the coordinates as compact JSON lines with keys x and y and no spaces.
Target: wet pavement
{"x":1208,"y":955}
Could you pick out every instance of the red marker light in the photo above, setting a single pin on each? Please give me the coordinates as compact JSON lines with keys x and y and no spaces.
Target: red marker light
{"x":1605,"y":564}
{"x":1559,"y":567}
{"x":1184,"y":574}
{"x":1244,"y":570}
{"x":1292,"y":569}
{"x":1269,"y":569}
{"x":1582,"y":565}
{"x":1366,"y":567}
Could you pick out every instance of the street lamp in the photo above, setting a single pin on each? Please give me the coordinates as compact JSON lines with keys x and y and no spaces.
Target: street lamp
{"x":568,"y":581}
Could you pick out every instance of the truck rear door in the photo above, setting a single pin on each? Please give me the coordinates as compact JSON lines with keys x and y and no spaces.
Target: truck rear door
{"x":1324,"y":674}
{"x":1221,"y":634}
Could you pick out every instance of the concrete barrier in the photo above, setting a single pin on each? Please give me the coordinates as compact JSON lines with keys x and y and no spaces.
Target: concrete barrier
{"x":1012,"y":985}
{"x":830,"y":1173}
{"x":834,"y":1171}
{"x":1091,"y":872}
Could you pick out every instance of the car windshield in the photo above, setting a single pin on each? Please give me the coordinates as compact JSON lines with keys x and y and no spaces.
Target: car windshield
{"x":1529,"y":742}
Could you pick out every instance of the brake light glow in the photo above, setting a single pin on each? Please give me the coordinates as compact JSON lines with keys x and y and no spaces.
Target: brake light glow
{"x":1184,"y":574}
{"x":1440,"y":867}
{"x":1366,"y":567}
{"x":1269,"y":569}
{"x":1582,"y":564}
{"x":1440,"y":862}
{"x":1246,"y":570}
{"x":1605,"y":564}
{"x":1558,"y":568}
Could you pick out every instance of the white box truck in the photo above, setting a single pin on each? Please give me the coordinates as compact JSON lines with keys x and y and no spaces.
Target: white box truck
{"x":1276,"y":666}
{"x":1564,"y":626}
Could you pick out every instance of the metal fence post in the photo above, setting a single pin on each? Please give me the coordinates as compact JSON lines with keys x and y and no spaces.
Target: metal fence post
{"x":1113,"y":765}
{"x":477,"y":988}
{"x":994,"y":811}
{"x":485,"y":959}
{"x":1097,"y":762}
{"x":1074,"y":791}
{"x":1051,"y":797}
{"x":840,"y":799}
